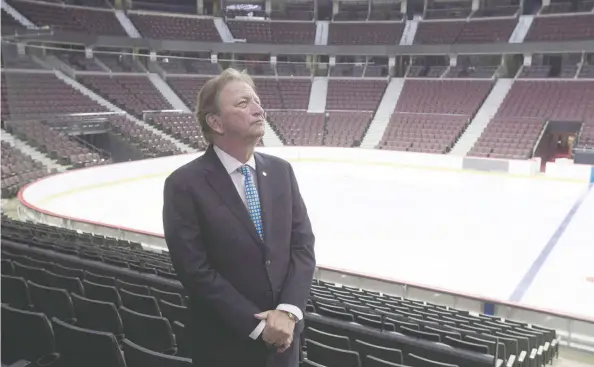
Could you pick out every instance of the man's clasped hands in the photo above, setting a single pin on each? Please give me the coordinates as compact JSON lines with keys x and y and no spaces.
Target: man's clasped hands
{"x":278,"y":332}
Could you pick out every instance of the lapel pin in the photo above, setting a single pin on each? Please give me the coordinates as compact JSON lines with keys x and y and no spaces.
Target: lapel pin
{"x":263,"y":173}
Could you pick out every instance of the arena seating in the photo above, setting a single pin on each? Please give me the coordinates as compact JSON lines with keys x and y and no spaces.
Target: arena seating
{"x":134,"y":93}
{"x":561,"y":28}
{"x":423,"y":133}
{"x":431,"y":115}
{"x":187,"y":88}
{"x":302,"y":10}
{"x":273,"y":32}
{"x":182,"y":126}
{"x":56,"y":145}
{"x":120,"y":63}
{"x":254,"y":68}
{"x":298,"y":127}
{"x":368,"y":33}
{"x":281,"y":93}
{"x":62,"y":276}
{"x":335,"y":128}
{"x":189,"y":66}
{"x":103,"y":22}
{"x":508,"y":138}
{"x":292,"y":69}
{"x":448,"y":10}
{"x":355,"y":94}
{"x":78,"y":61}
{"x":9,"y":23}
{"x":144,"y":140}
{"x":39,"y":94}
{"x":349,"y":11}
{"x":346,"y":129}
{"x":385,"y":11}
{"x":18,"y":169}
{"x":455,"y":97}
{"x":175,"y":28}
{"x":475,"y":31}
{"x":586,"y":137}
{"x":515,"y":128}
{"x":167,"y":6}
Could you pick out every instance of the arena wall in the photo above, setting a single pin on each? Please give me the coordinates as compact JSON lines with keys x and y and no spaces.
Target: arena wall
{"x":60,"y":184}
{"x":575,"y":330}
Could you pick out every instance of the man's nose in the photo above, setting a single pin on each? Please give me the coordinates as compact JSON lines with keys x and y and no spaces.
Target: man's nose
{"x":258,"y":110}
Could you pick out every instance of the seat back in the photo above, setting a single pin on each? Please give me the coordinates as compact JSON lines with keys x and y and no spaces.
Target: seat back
{"x":392,"y":355}
{"x":97,"y":315}
{"x":52,"y":301}
{"x":140,"y":303}
{"x":425,"y":362}
{"x":174,"y":312}
{"x":26,"y":335}
{"x":102,"y":292}
{"x":137,"y":356}
{"x":152,"y":332}
{"x":329,"y":356}
{"x":15,"y":292}
{"x":331,"y":340}
{"x":83,"y":347}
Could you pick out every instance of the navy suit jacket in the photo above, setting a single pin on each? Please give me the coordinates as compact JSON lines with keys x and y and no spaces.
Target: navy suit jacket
{"x":229,"y":273}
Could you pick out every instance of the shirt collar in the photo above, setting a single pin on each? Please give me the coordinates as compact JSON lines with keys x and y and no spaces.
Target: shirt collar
{"x":231,"y":164}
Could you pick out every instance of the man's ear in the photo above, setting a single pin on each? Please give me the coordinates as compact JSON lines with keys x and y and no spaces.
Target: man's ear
{"x":214,"y":122}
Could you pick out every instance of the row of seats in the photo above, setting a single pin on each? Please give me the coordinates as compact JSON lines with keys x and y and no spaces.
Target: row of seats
{"x":282,"y":93}
{"x":104,"y":22}
{"x":41,"y":281}
{"x":335,"y":129}
{"x":30,"y":98}
{"x":517,"y":124}
{"x":18,"y":169}
{"x":57,"y":146}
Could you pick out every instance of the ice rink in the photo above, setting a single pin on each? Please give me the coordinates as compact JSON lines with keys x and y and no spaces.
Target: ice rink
{"x":529,"y":240}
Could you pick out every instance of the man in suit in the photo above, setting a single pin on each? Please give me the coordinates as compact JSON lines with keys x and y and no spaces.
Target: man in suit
{"x":239,"y":236}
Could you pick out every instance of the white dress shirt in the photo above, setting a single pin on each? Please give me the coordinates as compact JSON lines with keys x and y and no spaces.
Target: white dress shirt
{"x":231,"y":165}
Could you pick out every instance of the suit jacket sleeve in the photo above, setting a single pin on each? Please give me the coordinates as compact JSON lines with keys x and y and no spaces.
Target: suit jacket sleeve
{"x":183,"y":235}
{"x":303,"y":262}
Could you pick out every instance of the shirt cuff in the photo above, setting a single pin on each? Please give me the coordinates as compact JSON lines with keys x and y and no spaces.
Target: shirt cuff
{"x":292,"y":309}
{"x":258,"y":330}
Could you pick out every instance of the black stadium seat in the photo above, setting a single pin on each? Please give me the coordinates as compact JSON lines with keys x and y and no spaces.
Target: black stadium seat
{"x":98,"y":315}
{"x":27,"y":336}
{"x":151,"y":332}
{"x":15,"y":292}
{"x":137,"y":356}
{"x":330,"y":337}
{"x":53,"y":302}
{"x":83,"y":347}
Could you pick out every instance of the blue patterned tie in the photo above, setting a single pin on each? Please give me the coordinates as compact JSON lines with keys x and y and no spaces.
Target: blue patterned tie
{"x":253,"y":200}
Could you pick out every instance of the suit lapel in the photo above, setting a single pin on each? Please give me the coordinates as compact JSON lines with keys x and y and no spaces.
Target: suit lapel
{"x":264,"y":190}
{"x":219,"y":180}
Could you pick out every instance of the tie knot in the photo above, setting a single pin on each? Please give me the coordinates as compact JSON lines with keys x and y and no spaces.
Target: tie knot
{"x":244,"y":170}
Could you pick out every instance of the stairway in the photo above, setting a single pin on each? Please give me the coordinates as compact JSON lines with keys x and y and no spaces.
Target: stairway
{"x":224,"y":31}
{"x":322,"y":27}
{"x":18,"y":16}
{"x":167,"y":92}
{"x":31,"y":151}
{"x":382,"y":115}
{"x":317,"y":95}
{"x":519,"y":33}
{"x":127,"y":24}
{"x":482,"y":117}
{"x":94,"y":96}
{"x":270,"y":139}
{"x":410,"y":30}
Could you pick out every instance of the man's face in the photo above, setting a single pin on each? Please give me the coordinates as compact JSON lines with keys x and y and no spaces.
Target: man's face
{"x":241,"y":117}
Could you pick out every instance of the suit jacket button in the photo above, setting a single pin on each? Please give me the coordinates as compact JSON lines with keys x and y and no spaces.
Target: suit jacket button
{"x":267,"y":262}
